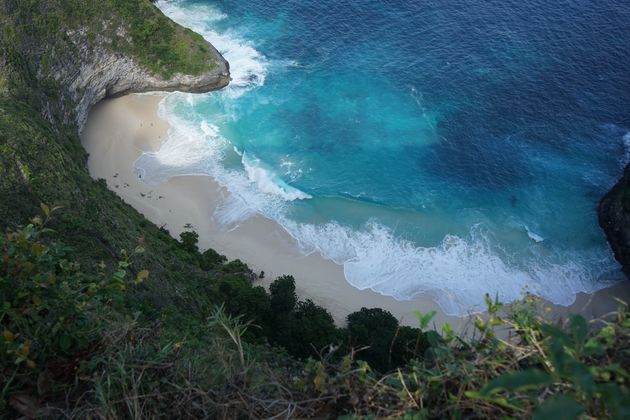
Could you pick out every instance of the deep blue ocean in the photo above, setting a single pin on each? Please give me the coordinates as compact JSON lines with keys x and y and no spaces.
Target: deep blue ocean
{"x":445,"y":147}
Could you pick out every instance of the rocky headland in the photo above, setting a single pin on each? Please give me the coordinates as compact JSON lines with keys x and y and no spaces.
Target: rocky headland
{"x":79,"y":55}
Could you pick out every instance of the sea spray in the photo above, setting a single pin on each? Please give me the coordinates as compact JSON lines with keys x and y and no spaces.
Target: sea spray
{"x":248,"y":67}
{"x":269,"y":183}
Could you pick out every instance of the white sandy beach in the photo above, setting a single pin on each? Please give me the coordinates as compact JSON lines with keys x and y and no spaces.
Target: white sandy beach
{"x":120,"y":129}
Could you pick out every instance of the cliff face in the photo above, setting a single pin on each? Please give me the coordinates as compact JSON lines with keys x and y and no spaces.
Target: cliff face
{"x":64,"y":56}
{"x":614,"y":218}
{"x":101,"y":73}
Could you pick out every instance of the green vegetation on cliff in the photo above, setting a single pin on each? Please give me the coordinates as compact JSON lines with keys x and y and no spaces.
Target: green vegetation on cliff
{"x":76,"y":343}
{"x":104,"y":315}
{"x":135,"y":28}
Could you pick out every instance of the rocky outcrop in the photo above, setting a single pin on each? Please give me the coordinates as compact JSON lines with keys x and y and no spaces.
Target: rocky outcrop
{"x":73,"y":69}
{"x":100,"y":73}
{"x":62,"y":64}
{"x":614,"y":218}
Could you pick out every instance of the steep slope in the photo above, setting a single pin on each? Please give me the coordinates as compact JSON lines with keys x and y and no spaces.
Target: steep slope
{"x":57,"y":59}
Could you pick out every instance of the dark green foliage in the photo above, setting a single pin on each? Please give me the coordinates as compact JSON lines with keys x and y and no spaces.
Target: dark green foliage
{"x":311,"y":329}
{"x":381,"y":341}
{"x":210,"y":260}
{"x":80,"y":329}
{"x":242,"y":299}
{"x":43,"y":298}
{"x":238,"y":267}
{"x":283,"y":296}
{"x":303,"y":328}
{"x":189,"y":240}
{"x":375,"y":328}
{"x":135,"y":27}
{"x":409,"y":343}
{"x":52,"y":312}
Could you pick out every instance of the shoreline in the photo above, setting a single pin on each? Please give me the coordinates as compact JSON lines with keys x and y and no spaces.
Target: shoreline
{"x":118,"y":131}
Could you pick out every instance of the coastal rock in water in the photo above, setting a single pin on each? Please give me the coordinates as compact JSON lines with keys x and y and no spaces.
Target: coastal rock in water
{"x":614,"y":218}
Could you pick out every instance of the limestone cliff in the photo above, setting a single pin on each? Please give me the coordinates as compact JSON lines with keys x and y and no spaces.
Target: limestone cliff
{"x":101,"y":73}
{"x":64,"y":56}
{"x":614,"y":218}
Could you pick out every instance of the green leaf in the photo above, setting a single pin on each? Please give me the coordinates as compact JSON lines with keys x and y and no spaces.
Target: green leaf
{"x":434,"y":339}
{"x":559,"y":358}
{"x":425,"y":319}
{"x":615,"y":400}
{"x":560,"y":407}
{"x":142,"y":276}
{"x":579,"y":329}
{"x":65,"y":342}
{"x":517,"y":381}
{"x":593,"y":348}
{"x":120,"y":275}
{"x":448,"y":331}
{"x":581,"y":376}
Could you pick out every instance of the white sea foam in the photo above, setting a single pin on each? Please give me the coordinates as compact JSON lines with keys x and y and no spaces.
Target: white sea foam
{"x":186,"y":151}
{"x":457,"y":273}
{"x":198,"y":148}
{"x":291,"y":169}
{"x":248,"y":67}
{"x":268,"y":182}
{"x":533,"y":236}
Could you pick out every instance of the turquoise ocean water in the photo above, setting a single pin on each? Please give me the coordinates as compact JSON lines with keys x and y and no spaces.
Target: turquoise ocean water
{"x":452,"y":148}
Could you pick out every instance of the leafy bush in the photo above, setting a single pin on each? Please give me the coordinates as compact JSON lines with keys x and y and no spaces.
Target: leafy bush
{"x":585,"y":373}
{"x":189,"y":240}
{"x":375,"y":329}
{"x":311,"y":329}
{"x":283,"y":296}
{"x":210,"y":260}
{"x":51,"y":312}
{"x":79,"y":331}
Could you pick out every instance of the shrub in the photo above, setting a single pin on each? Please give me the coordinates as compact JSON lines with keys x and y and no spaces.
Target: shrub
{"x":211,"y":259}
{"x":283,"y":296}
{"x":311,"y":329}
{"x":238,"y":267}
{"x":189,"y":240}
{"x":51,"y":312}
{"x":374,"y":328}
